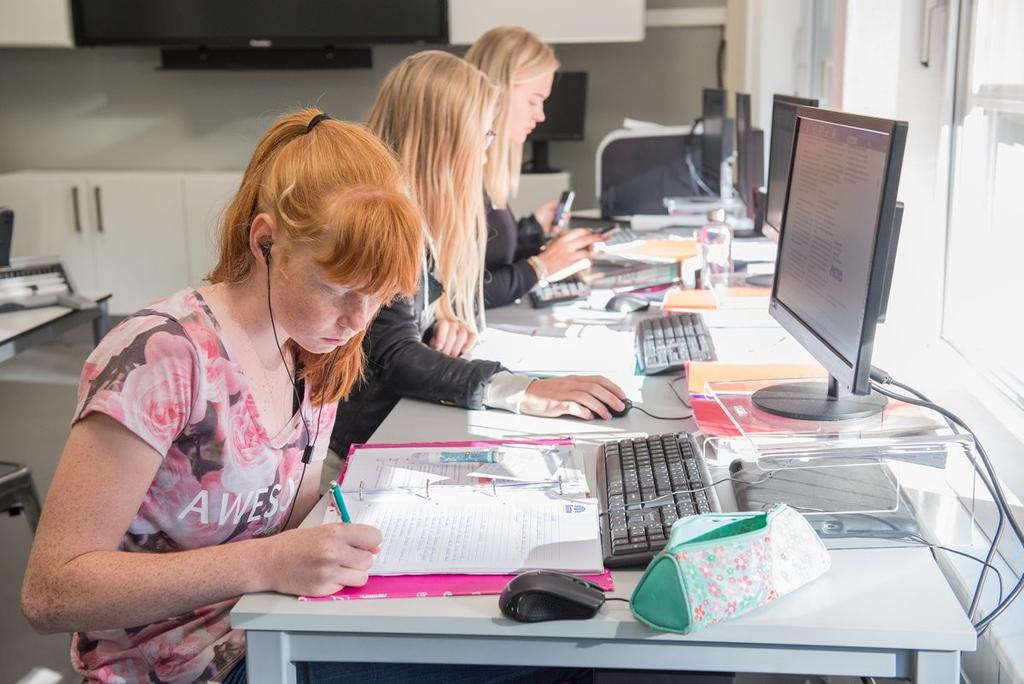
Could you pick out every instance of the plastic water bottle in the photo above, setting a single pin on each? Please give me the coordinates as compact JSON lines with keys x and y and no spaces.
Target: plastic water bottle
{"x":715,"y":241}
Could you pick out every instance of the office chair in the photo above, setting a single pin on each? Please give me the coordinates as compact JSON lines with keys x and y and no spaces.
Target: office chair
{"x":18,"y":493}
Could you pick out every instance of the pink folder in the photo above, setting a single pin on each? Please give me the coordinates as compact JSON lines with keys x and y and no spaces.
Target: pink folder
{"x":413,"y":586}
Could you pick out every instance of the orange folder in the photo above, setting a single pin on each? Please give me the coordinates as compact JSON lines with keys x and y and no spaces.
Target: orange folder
{"x":700,"y":373}
{"x":679,"y":250}
{"x":740,"y":292}
{"x":678,"y":298}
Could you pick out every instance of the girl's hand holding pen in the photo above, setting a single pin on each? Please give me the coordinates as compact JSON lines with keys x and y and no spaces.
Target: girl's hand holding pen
{"x":320,"y":560}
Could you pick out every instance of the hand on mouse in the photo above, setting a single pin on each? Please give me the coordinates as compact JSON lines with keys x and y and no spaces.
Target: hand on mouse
{"x":568,"y":248}
{"x":583,"y":396}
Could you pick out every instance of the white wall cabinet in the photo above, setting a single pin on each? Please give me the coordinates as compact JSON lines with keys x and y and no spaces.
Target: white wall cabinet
{"x":537,"y":188}
{"x":36,"y":23}
{"x":51,"y":219}
{"x":122,"y":232}
{"x":138,"y":238}
{"x":564,"y":21}
{"x":206,"y":197}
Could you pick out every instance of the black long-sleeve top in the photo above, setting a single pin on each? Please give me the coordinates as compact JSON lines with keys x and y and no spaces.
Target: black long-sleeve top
{"x":399,"y":364}
{"x":509,"y":244}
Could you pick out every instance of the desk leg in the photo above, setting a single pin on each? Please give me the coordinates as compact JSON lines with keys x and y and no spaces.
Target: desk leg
{"x":100,"y":324}
{"x":937,"y":666}
{"x":268,"y":658}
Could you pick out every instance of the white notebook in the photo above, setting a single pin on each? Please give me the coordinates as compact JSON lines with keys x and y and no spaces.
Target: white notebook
{"x":468,"y":523}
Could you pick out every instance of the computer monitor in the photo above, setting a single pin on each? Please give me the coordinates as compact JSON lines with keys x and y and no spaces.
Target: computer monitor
{"x":749,"y":155}
{"x":716,"y":142}
{"x":780,"y":152}
{"x":564,"y":117}
{"x":835,"y":257}
{"x":6,"y":235}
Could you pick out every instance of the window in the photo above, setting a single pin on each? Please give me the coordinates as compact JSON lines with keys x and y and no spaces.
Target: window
{"x":982,"y":311}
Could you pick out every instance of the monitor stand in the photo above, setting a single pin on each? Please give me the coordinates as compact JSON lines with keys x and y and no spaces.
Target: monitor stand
{"x":540,"y":163}
{"x":816,"y":401}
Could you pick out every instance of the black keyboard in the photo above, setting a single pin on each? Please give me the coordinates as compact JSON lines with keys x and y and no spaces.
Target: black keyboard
{"x":667,"y":343}
{"x":662,"y":469}
{"x":556,"y":293}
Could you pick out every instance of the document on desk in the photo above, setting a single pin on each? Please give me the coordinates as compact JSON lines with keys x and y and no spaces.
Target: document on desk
{"x":480,"y":532}
{"x":592,"y":349}
{"x":757,"y":346}
{"x":474,"y":507}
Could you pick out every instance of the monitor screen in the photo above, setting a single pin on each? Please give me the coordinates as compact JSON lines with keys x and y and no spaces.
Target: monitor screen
{"x":712,"y":141}
{"x":823,"y":272}
{"x":783,"y":123}
{"x":238,"y":23}
{"x":565,"y":109}
{"x":836,"y":240}
{"x":749,"y":154}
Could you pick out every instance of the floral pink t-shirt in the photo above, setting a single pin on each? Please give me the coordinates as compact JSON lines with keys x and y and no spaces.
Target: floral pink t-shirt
{"x":165,"y":375}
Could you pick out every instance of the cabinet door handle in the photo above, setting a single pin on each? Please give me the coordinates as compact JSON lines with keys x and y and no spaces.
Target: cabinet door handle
{"x":74,"y":205}
{"x":99,"y":208}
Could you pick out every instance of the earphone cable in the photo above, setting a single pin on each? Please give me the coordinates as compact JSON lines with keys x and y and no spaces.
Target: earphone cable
{"x":280,"y":351}
{"x":308,"y":450}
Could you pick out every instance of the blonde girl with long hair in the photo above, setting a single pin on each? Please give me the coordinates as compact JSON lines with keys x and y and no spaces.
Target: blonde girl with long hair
{"x":524,"y":68}
{"x":437,"y":112}
{"x":203,"y":420}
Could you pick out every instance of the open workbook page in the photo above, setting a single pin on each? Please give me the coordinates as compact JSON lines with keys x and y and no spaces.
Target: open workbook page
{"x":474,"y":507}
{"x":480,"y":533}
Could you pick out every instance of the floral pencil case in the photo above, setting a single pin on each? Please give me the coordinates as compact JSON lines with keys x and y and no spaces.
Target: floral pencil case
{"x":717,"y":566}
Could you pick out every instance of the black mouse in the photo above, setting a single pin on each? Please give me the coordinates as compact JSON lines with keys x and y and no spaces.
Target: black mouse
{"x":627,"y":303}
{"x":624,"y":411}
{"x":541,"y":595}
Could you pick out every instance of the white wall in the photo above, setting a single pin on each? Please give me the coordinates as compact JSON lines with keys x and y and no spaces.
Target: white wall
{"x":113,"y":109}
{"x":883,"y":76}
{"x":768,"y":52}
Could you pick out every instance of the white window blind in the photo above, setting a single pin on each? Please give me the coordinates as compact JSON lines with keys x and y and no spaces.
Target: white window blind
{"x":983,"y":316}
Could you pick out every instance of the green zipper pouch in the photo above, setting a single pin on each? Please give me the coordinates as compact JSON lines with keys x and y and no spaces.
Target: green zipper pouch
{"x":717,"y":566}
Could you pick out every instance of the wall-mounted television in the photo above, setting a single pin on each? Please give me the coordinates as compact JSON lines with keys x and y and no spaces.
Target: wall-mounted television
{"x":234,"y":24}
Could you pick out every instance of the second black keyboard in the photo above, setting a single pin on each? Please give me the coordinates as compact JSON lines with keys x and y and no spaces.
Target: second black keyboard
{"x":666,"y":472}
{"x":667,"y":343}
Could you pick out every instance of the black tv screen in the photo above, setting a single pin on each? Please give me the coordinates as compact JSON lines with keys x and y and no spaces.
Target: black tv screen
{"x":258,"y":23}
{"x":565,"y":110}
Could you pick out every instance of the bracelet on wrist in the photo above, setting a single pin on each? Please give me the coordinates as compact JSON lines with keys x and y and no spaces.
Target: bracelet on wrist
{"x":540,"y":269}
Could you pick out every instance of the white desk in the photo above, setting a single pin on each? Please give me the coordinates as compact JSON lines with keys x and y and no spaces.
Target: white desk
{"x":876,"y":612}
{"x":20,"y":330}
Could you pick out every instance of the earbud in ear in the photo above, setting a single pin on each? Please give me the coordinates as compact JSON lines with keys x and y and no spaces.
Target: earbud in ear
{"x":265,"y":246}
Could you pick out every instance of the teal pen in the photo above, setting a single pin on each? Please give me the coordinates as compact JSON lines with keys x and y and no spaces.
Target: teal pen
{"x":340,"y":502}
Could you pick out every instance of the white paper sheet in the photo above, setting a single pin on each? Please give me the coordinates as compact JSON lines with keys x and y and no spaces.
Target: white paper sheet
{"x":756,"y":345}
{"x":522,"y":465}
{"x":593,"y":351}
{"x":479,"y":533}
